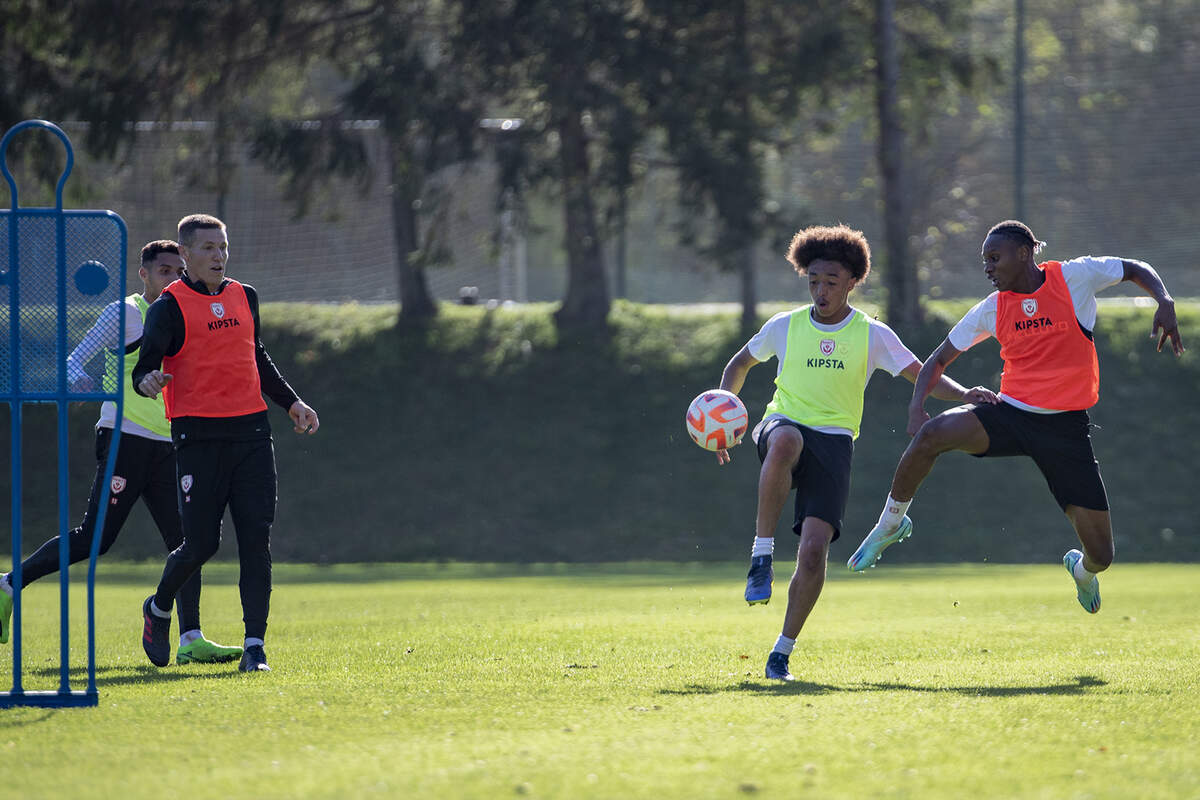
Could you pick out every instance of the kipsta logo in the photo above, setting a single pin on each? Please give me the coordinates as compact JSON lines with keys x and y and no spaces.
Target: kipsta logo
{"x":218,"y":310}
{"x":827,"y":347}
{"x":186,"y":483}
{"x":118,"y":483}
{"x":1029,"y":306}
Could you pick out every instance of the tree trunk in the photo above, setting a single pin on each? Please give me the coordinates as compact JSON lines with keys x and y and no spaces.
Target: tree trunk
{"x":749,"y":290}
{"x":415,"y":300}
{"x":903,"y":304}
{"x":587,"y":302}
{"x":743,"y":223}
{"x":620,"y":271}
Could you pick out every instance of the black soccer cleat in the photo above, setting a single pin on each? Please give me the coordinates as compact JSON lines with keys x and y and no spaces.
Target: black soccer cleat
{"x":156,"y":635}
{"x":254,"y":659}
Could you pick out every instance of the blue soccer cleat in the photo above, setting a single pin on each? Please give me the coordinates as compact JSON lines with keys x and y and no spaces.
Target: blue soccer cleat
{"x":878,"y":540}
{"x":777,"y":667}
{"x":759,"y":580}
{"x":1089,"y":594}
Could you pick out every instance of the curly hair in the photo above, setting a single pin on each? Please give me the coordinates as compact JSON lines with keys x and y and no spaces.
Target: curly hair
{"x":1018,"y":232}
{"x":839,"y":243}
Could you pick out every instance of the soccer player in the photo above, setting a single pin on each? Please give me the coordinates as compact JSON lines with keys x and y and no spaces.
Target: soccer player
{"x":1043,"y":316}
{"x":827,"y":351}
{"x":145,"y":466}
{"x":203,"y":351}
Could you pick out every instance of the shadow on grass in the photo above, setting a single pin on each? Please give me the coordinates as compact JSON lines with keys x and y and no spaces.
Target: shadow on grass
{"x":1081,"y":684}
{"x":143,"y":673}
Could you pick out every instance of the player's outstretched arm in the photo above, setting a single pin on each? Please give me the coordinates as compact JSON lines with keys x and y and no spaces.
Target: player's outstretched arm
{"x":949,"y":389}
{"x":732,"y":380}
{"x":930,"y":376}
{"x":1165,"y":326}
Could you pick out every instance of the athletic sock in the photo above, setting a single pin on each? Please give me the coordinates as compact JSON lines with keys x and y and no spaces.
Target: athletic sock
{"x":158,"y":612}
{"x":893,"y":513}
{"x":187,"y":637}
{"x":763,"y":546}
{"x":784,"y":645}
{"x":1082,"y":576}
{"x":251,"y":641}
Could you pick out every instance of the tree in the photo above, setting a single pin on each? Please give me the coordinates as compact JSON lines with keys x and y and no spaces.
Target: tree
{"x":903,"y":305}
{"x":728,"y":82}
{"x":564,"y":66}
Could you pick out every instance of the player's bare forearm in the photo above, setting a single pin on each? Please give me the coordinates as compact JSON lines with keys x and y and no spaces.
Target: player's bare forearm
{"x":732,"y":380}
{"x":734,"y":376}
{"x":1165,"y":326}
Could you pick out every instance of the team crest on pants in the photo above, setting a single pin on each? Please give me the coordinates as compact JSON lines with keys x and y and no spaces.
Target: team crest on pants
{"x":1029,"y":306}
{"x":218,"y":310}
{"x":185,"y":483}
{"x":827,"y":346}
{"x":118,"y":483}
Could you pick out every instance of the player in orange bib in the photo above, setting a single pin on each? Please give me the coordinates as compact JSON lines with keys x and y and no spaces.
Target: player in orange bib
{"x":1043,"y":316}
{"x":201,"y":348}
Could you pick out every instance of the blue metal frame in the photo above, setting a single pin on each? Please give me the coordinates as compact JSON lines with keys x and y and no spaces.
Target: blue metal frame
{"x":64,"y":696}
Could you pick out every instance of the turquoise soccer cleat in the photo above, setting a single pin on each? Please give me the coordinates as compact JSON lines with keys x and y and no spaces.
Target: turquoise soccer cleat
{"x":876,"y":542}
{"x":1089,"y":594}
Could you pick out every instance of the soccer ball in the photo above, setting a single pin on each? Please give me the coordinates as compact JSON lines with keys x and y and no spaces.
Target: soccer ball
{"x":717,"y":419}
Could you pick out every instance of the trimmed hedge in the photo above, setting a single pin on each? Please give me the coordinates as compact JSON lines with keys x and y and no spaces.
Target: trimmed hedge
{"x":488,"y":435}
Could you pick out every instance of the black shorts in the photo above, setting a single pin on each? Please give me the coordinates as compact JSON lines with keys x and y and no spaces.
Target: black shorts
{"x":1060,"y":444}
{"x":821,"y":477}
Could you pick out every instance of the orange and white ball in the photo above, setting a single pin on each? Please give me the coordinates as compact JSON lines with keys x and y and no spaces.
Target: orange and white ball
{"x":717,"y":419}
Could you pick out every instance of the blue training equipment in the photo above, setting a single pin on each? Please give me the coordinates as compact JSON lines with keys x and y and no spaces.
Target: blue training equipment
{"x":58,"y":269}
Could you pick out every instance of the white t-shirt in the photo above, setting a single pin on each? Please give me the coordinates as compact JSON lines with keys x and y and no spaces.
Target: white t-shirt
{"x":884,"y":351}
{"x":103,"y":336}
{"x":1084,"y":278}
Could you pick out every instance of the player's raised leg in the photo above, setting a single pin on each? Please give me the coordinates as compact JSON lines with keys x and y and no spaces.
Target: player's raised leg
{"x":955,"y":429}
{"x":805,"y":588}
{"x":783,"y":446}
{"x":1094,"y":528}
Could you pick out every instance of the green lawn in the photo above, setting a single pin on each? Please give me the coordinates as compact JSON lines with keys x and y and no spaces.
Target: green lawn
{"x":639,"y":680}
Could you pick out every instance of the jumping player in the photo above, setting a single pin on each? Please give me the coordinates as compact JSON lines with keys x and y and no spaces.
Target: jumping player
{"x":204,"y":332}
{"x":1043,"y":316}
{"x":827,"y":352}
{"x":145,"y":466}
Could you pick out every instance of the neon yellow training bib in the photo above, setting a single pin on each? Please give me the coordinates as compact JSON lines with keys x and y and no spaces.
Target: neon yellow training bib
{"x":148,"y":412}
{"x":824,"y":374}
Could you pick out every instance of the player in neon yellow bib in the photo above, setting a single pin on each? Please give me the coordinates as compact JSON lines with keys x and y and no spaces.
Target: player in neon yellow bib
{"x":827,"y":352}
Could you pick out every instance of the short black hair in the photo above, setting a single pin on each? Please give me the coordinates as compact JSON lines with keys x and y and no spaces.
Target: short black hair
{"x":839,"y":243}
{"x":195,"y":222}
{"x":1019,"y":232}
{"x":152,"y":250}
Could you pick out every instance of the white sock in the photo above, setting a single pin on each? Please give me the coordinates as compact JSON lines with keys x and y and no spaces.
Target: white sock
{"x":187,"y":637}
{"x":158,"y":612}
{"x":784,"y":645}
{"x":6,"y":585}
{"x":1082,"y":576}
{"x":250,"y":642}
{"x":763,"y":546}
{"x":893,"y":512}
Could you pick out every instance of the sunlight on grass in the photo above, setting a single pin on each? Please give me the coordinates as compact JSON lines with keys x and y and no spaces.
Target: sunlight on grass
{"x":640,"y":680}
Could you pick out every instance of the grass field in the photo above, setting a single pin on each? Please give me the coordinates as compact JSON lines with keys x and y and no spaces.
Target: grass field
{"x":639,"y":680}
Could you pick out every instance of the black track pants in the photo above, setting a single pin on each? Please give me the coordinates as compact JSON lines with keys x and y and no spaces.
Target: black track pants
{"x":145,"y":469}
{"x":213,"y":475}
